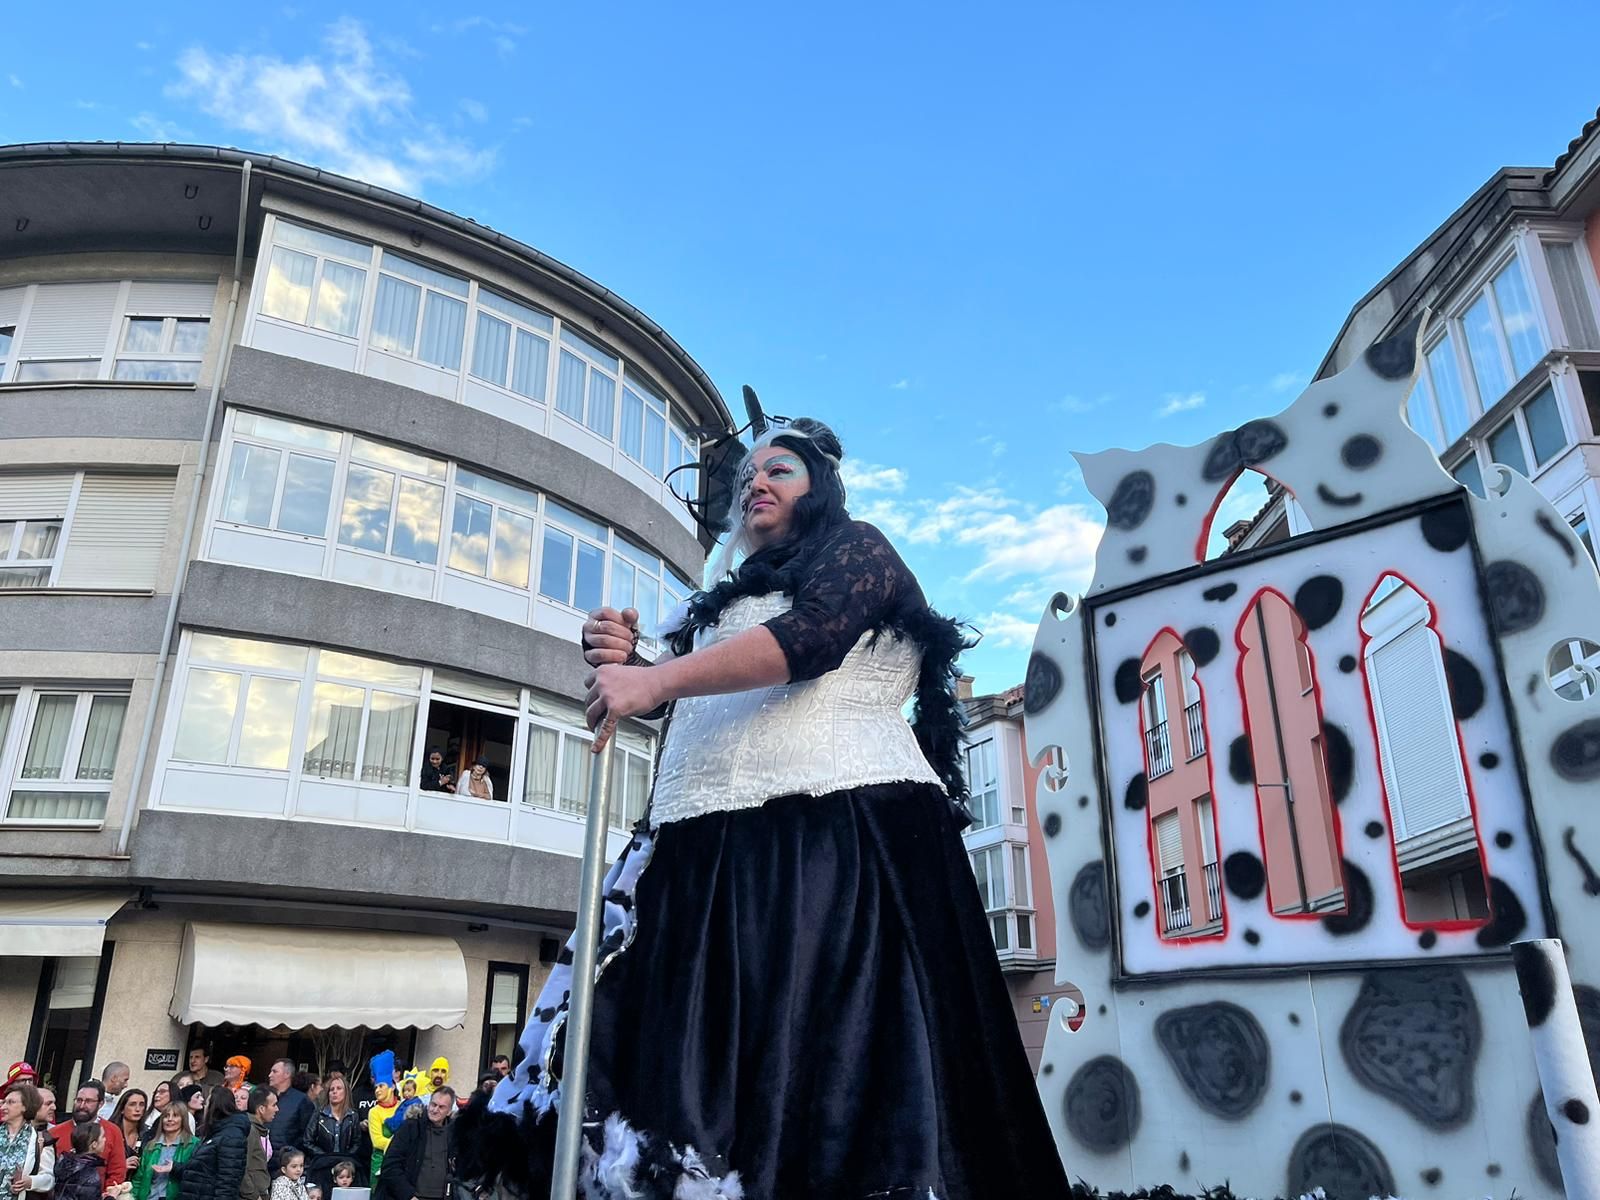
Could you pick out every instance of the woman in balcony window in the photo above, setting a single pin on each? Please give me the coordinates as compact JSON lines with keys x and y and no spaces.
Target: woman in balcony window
{"x":809,"y":1004}
{"x":479,"y":785}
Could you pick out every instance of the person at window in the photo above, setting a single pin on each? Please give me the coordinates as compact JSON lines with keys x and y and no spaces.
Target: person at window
{"x":165,"y":1153}
{"x":479,"y":785}
{"x":334,"y":1135}
{"x":27,"y":1155}
{"x":79,"y":1172}
{"x":434,"y":779}
{"x":85,"y":1108}
{"x":805,"y":864}
{"x":260,"y":1152}
{"x":216,"y":1169}
{"x":420,"y":1163}
{"x":201,"y":1069}
{"x":128,"y":1117}
{"x":116,"y":1077}
{"x":294,"y":1110}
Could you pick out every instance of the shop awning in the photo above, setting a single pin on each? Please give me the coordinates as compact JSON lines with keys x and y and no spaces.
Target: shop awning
{"x":276,"y":975}
{"x":70,"y":924}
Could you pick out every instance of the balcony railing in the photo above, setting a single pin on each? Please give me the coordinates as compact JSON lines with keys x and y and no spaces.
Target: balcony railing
{"x":1175,"y":917}
{"x":1196,"y":729}
{"x":1158,"y":750}
{"x":1213,"y":891}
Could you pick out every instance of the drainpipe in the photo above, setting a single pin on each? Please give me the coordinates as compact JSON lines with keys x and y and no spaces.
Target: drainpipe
{"x":191,"y":516}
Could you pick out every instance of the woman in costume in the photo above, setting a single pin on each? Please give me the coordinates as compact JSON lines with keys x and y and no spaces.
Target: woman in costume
{"x":797,"y":992}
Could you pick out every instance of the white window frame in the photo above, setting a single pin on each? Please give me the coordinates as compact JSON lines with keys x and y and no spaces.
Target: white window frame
{"x":547,"y":335}
{"x":584,"y":349}
{"x":977,"y":752}
{"x":10,"y":348}
{"x":233,"y":439}
{"x":426,"y":290}
{"x":1519,"y":421}
{"x":353,"y":458}
{"x":104,"y":367}
{"x":463,"y":490}
{"x":165,"y":354}
{"x":571,"y":739}
{"x":54,"y":562}
{"x":1544,"y":236}
{"x":246,"y":674}
{"x":569,"y":602}
{"x":13,"y":749}
{"x":368,"y":265}
{"x":318,"y":674}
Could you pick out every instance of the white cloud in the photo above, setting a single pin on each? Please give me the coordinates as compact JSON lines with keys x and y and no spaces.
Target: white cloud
{"x":1286,"y":381}
{"x":475,"y":110}
{"x":158,"y":129}
{"x":898,"y":385}
{"x":505,"y":45}
{"x":521,"y":122}
{"x":1057,"y":542}
{"x":1077,"y":406}
{"x":1178,"y":403}
{"x":343,"y":109}
{"x":87,"y":105}
{"x":867,"y":477}
{"x":144,"y":46}
{"x":1003,"y":629}
{"x":15,"y":82}
{"x":997,"y":447}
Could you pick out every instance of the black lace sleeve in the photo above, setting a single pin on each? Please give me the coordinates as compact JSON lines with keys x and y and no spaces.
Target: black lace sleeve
{"x":855,"y":582}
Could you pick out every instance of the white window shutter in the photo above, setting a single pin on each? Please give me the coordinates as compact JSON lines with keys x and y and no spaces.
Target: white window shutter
{"x":1422,"y":771}
{"x":1169,"y":841}
{"x":118,"y":530}
{"x":11,"y":305}
{"x":34,"y":497}
{"x":70,"y":320}
{"x":149,"y":298}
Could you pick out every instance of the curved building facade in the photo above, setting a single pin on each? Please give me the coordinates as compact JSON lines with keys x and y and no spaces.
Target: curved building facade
{"x":301,"y":480}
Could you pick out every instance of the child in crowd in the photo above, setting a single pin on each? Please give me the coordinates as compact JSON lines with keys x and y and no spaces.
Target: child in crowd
{"x":78,"y":1173}
{"x":344,"y":1175}
{"x":291,"y":1181}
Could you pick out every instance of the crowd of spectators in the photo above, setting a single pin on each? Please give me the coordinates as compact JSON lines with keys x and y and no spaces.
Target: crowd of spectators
{"x":210,"y":1135}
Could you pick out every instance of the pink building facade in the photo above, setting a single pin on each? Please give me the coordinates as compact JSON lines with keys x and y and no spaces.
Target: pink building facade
{"x":1181,"y":809}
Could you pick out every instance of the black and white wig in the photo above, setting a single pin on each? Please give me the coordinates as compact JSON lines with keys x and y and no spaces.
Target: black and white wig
{"x":816,"y":512}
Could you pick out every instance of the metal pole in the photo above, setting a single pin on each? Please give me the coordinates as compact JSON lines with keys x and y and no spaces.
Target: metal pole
{"x":580,"y":1011}
{"x":1563,"y":1061}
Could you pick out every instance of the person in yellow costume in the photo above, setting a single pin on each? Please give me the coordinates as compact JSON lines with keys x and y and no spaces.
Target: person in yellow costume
{"x":438,"y":1076}
{"x":384,"y":1106}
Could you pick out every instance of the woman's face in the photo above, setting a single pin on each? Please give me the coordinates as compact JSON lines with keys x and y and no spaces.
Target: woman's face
{"x":171,"y":1123}
{"x":336,"y":1092}
{"x":241,"y":1098}
{"x":197,"y":1102}
{"x":11,"y":1108}
{"x":770,"y":483}
{"x":479,"y":771}
{"x":161,"y":1097}
{"x":133,"y":1111}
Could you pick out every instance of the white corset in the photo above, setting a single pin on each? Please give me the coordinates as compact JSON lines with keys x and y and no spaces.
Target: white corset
{"x":842,"y":730}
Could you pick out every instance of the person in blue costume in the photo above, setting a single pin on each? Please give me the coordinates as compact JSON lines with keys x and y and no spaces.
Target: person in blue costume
{"x":797,"y":995}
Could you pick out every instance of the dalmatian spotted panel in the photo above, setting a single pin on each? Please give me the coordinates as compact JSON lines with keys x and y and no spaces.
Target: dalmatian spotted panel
{"x":1410,"y":1071}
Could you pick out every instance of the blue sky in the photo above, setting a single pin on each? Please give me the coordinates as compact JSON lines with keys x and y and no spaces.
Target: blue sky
{"x":973,"y":241}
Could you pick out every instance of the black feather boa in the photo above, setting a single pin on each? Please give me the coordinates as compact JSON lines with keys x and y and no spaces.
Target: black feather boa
{"x":937,"y":718}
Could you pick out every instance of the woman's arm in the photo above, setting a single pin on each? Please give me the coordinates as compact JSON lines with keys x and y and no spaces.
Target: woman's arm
{"x":752,"y":659}
{"x":44,"y":1179}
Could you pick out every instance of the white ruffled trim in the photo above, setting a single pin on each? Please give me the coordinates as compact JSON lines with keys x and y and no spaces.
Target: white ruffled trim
{"x":612,"y":1174}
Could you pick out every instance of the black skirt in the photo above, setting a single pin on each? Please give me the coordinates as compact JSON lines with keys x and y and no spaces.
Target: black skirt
{"x":797,"y":1000}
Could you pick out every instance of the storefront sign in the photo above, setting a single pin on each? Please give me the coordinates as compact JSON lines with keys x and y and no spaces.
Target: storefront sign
{"x":161,"y":1060}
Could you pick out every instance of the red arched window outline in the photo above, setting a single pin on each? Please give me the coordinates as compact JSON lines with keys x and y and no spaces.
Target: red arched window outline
{"x":1269,"y":858}
{"x":1207,"y":889}
{"x":1432,"y":623}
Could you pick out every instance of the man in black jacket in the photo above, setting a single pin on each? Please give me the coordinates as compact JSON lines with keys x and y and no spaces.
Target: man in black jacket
{"x":295,"y":1111}
{"x":420,"y":1163}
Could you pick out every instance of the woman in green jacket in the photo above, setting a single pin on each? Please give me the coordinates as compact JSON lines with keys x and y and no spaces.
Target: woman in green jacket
{"x":164,"y":1154}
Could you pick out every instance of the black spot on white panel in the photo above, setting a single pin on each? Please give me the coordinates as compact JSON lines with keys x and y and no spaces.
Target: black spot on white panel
{"x":1101,"y":1104}
{"x":1138,"y":793}
{"x":1340,"y":1161}
{"x":1041,"y":684}
{"x":1357,"y":903}
{"x":1445,"y":529}
{"x":1202,"y":643}
{"x":1575,"y":754}
{"x":1244,"y":874}
{"x":1396,"y":356}
{"x":1253,"y":442}
{"x":1087,"y":906}
{"x":1221,"y":592}
{"x":1516,"y":597}
{"x":1318,"y":600}
{"x":1241,"y":766}
{"x":1361,"y":451}
{"x":1220,"y":1053}
{"x":1340,"y":760}
{"x":1466,"y":684}
{"x":1413,"y":1036}
{"x":1507,"y":917}
{"x":1542,"y":1144}
{"x":1052,"y":825}
{"x":1132,"y":500}
{"x":1125,"y":682}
